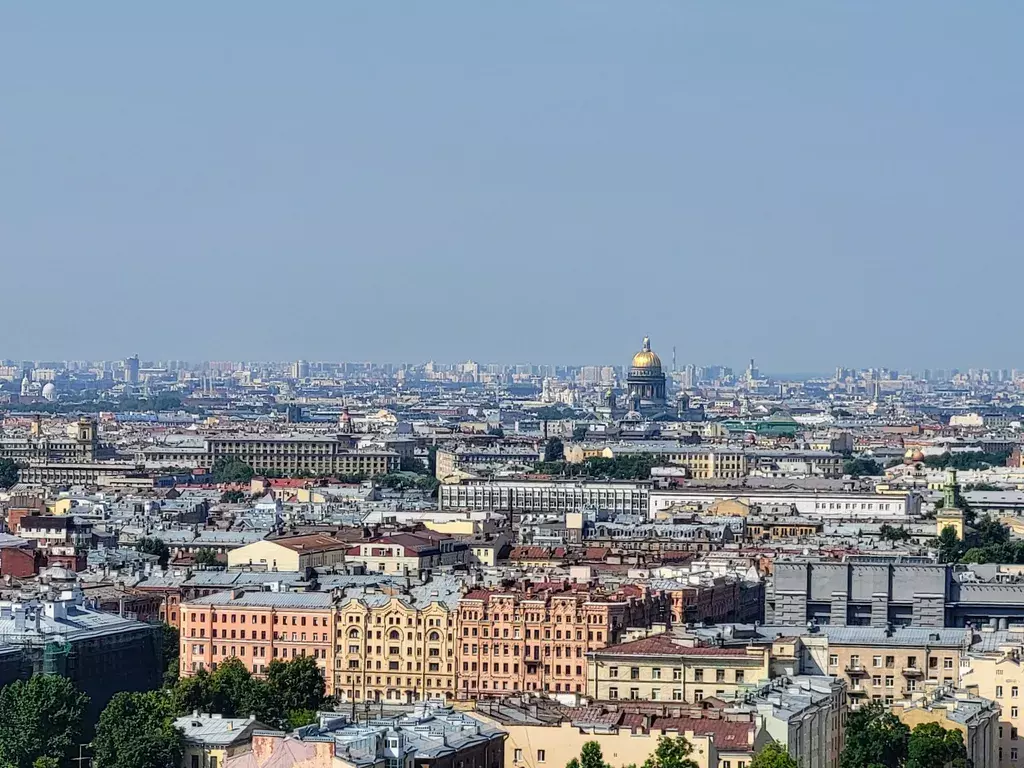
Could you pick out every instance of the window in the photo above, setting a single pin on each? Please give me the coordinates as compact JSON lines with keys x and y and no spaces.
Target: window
{"x":634,"y":673}
{"x":947,"y":663}
{"x":656,"y":673}
{"x":1013,"y":692}
{"x":739,"y":675}
{"x":876,"y":680}
{"x":195,"y":761}
{"x":698,"y":695}
{"x":888,"y":681}
{"x":634,"y":693}
{"x":999,"y":691}
{"x":541,"y":755}
{"x":876,"y":661}
{"x":833,"y":660}
{"x":1013,"y":711}
{"x":613,"y":693}
{"x":517,"y":756}
{"x":719,"y":675}
{"x":613,"y":671}
{"x":912,"y":662}
{"x":1013,"y":753}
{"x":890,"y":661}
{"x":698,"y":675}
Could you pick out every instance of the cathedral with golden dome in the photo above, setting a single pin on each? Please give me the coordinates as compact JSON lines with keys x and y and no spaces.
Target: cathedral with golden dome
{"x":646,"y":380}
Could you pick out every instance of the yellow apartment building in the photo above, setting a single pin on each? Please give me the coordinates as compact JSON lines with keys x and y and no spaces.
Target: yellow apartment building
{"x":665,"y":668}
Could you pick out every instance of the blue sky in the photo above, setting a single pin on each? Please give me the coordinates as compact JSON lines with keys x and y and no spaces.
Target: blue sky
{"x":812,"y":184}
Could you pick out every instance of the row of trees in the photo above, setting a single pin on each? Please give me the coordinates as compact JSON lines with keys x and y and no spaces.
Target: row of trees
{"x":41,"y":719}
{"x":289,"y":697}
{"x":967,"y":460}
{"x":629,"y":467}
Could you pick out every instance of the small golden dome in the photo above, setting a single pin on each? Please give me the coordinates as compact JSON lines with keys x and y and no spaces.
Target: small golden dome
{"x":645,"y":358}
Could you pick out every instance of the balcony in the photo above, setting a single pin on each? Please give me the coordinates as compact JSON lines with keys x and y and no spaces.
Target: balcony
{"x":857,"y":691}
{"x":855,"y":670}
{"x":912,"y":672}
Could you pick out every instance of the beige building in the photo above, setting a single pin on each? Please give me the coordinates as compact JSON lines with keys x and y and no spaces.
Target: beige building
{"x":891,"y":665}
{"x":390,"y":650}
{"x":302,"y":453}
{"x":625,"y":738}
{"x":664,"y":667}
{"x":294,"y":553}
{"x":993,"y":671}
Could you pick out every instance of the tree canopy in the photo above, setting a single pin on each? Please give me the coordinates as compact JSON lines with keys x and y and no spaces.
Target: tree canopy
{"x":892,"y":533}
{"x":227,"y":469}
{"x":590,"y":757}
{"x":671,"y":753}
{"x":862,"y":466}
{"x":151,"y":545}
{"x":773,"y":755}
{"x":554,"y":450}
{"x":40,"y":718}
{"x":875,"y":738}
{"x":8,"y":473}
{"x":293,"y":691}
{"x":136,"y":730}
{"x":634,"y":466}
{"x":967,"y":460}
{"x":932,"y":745}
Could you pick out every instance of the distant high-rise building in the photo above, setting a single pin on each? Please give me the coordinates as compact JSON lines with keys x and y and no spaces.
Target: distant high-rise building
{"x":131,"y":369}
{"x":300,"y":369}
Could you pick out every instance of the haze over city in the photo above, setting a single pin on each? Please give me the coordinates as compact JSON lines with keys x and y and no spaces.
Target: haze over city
{"x":811,"y":184}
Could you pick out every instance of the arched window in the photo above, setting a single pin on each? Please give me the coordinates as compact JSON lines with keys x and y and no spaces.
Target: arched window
{"x":394,"y":634}
{"x":434,"y":636}
{"x":353,"y":633}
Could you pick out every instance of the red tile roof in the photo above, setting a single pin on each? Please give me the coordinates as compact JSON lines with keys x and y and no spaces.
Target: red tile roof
{"x":665,"y":645}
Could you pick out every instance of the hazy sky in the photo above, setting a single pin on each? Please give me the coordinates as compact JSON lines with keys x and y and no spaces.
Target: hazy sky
{"x":812,"y":184}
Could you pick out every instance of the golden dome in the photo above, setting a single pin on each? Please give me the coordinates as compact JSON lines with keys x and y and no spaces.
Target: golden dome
{"x":645,"y":358}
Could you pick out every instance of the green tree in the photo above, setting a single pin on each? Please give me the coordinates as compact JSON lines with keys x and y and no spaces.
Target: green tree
{"x":232,"y":497}
{"x":46,"y":762}
{"x":193,"y":693}
{"x":862,"y":466}
{"x":8,"y":473}
{"x":297,"y":684}
{"x":299,"y":717}
{"x":206,"y":557}
{"x":579,"y":433}
{"x":39,"y":717}
{"x":671,"y":753}
{"x":891,"y":533}
{"x":151,"y":545}
{"x":227,"y":469}
{"x":136,"y":730}
{"x":950,"y":547}
{"x":496,"y":431}
{"x":590,"y":757}
{"x":773,"y":755}
{"x":411,"y":464}
{"x":170,"y":638}
{"x":875,"y":737}
{"x":554,"y":450}
{"x":231,"y":688}
{"x":930,"y":745}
